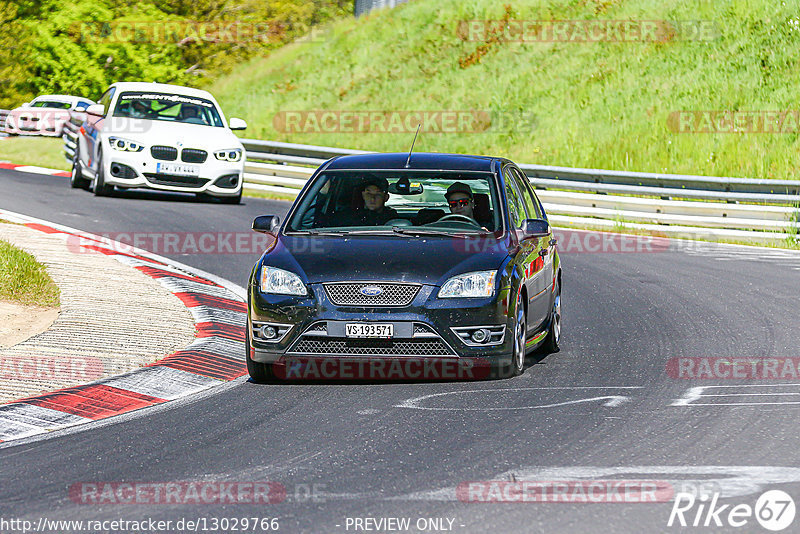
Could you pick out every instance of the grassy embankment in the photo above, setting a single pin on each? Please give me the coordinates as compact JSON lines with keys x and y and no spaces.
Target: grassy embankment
{"x":24,"y":280}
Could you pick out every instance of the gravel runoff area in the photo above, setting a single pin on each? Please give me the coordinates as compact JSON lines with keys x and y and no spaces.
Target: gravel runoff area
{"x":113,"y":319}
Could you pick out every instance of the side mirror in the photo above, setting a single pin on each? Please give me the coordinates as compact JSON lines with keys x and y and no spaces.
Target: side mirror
{"x":26,"y":105}
{"x":535,"y":228}
{"x":96,"y":110}
{"x":266,"y":224}
{"x":236,"y":124}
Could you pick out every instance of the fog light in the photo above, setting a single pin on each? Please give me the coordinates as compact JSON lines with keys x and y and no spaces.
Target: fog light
{"x":269,"y":332}
{"x":479,"y":336}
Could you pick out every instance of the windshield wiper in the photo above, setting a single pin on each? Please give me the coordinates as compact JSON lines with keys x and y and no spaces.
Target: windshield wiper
{"x":424,"y":231}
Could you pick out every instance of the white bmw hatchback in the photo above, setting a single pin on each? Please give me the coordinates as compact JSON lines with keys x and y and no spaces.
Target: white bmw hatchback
{"x":158,"y":136}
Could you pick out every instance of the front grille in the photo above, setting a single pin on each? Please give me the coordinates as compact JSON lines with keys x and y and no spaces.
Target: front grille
{"x":349,"y":294}
{"x":371,"y":347}
{"x":193,"y":155}
{"x":166,"y":153}
{"x":171,"y":179}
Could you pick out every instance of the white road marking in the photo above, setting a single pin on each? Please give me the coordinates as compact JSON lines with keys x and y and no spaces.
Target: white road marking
{"x":611,"y":400}
{"x":37,"y":170}
{"x":729,"y":481}
{"x":692,"y":395}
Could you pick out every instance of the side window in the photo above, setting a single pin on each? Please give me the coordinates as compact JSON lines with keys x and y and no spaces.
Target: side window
{"x":106,"y":99}
{"x":528,"y":196}
{"x":516,"y":209}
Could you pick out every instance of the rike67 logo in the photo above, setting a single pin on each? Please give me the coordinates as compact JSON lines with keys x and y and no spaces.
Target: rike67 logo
{"x":774,"y":510}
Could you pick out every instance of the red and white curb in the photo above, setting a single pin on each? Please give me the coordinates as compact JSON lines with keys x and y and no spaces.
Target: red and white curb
{"x":214,"y":358}
{"x":33,"y":169}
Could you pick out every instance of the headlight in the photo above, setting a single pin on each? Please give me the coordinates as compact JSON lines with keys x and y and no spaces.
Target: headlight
{"x":234,"y":154}
{"x":117,"y":143}
{"x":280,"y":282}
{"x":475,"y":284}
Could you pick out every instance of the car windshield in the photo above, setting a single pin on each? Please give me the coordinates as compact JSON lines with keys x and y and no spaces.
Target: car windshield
{"x":165,"y":107}
{"x":53,"y":104}
{"x":409,"y":202}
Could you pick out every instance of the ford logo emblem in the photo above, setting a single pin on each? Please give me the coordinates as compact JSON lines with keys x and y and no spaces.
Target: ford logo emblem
{"x":370,"y":291}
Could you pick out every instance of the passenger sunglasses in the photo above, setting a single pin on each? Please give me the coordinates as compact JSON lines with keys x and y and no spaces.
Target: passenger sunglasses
{"x":459,"y":202}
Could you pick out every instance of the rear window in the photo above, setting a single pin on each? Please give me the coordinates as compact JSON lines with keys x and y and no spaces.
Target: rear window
{"x":50,"y":104}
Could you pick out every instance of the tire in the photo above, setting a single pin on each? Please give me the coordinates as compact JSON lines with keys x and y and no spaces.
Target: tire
{"x":259,"y":372}
{"x":516,"y":366}
{"x":232,"y":200}
{"x":520,"y":337}
{"x":76,"y":179}
{"x":100,"y":187}
{"x":553,"y":338}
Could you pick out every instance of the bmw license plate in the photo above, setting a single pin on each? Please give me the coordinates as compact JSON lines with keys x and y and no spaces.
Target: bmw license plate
{"x":369,"y":330}
{"x":177,"y":169}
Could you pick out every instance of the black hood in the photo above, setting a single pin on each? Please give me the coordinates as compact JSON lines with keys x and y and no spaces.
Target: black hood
{"x":425,"y":260}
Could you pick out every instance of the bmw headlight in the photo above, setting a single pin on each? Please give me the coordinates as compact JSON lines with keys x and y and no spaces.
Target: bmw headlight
{"x":475,"y":284}
{"x":280,"y":282}
{"x":233,"y":155}
{"x":124,"y":145}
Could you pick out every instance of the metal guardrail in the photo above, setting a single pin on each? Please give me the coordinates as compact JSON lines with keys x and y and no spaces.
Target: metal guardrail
{"x":3,"y":115}
{"x":591,"y":197}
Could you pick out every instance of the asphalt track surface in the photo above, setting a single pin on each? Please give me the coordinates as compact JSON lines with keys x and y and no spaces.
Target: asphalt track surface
{"x":604,"y":401}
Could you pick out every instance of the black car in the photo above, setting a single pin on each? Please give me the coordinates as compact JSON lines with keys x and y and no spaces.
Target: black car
{"x":390,"y":266}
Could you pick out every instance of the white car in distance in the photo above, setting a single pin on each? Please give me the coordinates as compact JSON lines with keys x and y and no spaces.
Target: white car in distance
{"x":159,"y":136}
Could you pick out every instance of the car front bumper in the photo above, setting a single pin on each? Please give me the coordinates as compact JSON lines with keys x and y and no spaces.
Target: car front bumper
{"x":138,"y":170}
{"x":424,"y":330}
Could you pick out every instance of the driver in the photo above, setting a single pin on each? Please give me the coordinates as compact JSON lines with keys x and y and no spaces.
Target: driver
{"x":459,"y":198}
{"x":138,"y":109}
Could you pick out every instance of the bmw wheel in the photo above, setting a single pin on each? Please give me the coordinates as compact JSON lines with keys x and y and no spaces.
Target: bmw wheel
{"x":76,"y":179}
{"x":100,"y":187}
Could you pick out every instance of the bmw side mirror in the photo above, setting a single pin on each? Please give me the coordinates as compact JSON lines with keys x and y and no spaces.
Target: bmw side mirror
{"x":535,"y":228}
{"x":266,"y":224}
{"x":236,"y":124}
{"x":95,"y":110}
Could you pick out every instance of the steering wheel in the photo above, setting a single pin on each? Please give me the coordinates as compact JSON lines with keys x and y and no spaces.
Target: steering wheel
{"x":455,"y":217}
{"x":399,"y":222}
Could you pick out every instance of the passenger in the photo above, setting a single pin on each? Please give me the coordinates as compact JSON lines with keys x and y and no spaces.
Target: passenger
{"x":459,"y":198}
{"x":375,"y":192}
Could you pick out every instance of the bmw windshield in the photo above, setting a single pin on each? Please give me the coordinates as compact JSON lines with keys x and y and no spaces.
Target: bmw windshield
{"x":406,"y":202}
{"x":170,"y":108}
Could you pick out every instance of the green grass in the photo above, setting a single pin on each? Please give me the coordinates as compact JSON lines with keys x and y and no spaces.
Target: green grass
{"x":39,"y":151}
{"x":24,"y":280}
{"x":602,"y":105}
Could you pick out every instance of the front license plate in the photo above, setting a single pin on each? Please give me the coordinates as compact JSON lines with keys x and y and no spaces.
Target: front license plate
{"x":369,"y":330}
{"x":177,"y":169}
